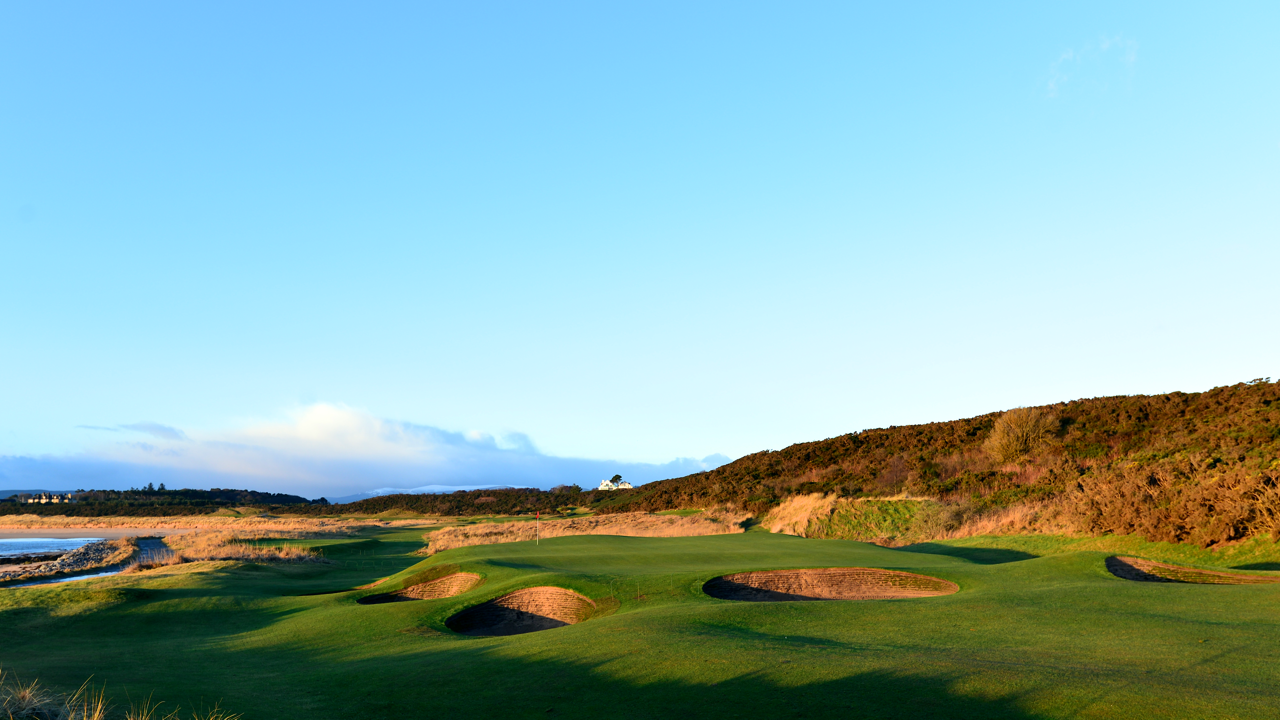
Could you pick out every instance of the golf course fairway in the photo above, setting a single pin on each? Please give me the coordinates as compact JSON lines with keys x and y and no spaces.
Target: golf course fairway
{"x":1056,"y":636}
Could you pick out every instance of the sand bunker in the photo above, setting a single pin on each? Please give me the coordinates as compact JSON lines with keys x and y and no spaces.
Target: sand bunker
{"x":1132,"y":568}
{"x":523,"y":611}
{"x":447,"y":586}
{"x":826,"y":584}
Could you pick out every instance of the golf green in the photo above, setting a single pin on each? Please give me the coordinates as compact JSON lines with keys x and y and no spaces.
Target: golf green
{"x":1024,"y":637}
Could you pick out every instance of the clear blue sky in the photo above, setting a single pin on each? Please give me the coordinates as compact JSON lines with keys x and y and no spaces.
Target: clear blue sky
{"x":446,"y":243}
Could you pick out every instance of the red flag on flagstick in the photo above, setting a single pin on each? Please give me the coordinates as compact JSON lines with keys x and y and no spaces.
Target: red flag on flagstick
{"x":537,"y":526}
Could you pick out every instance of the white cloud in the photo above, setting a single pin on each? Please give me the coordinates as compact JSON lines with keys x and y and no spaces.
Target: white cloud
{"x":328,"y":449}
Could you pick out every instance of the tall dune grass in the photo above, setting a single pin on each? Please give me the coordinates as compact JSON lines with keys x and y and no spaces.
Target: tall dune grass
{"x":31,"y":701}
{"x":229,"y":545}
{"x":213,"y":537}
{"x":711,"y":522}
{"x":792,"y":516}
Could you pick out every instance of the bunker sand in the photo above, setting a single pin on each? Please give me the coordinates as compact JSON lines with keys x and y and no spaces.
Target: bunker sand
{"x":523,"y":611}
{"x":1132,"y":568}
{"x":826,"y":584}
{"x":447,"y":586}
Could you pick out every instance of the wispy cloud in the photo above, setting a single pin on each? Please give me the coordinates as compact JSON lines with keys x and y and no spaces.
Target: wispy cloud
{"x":1097,"y":62}
{"x":330,"y":449}
{"x":163,"y":432}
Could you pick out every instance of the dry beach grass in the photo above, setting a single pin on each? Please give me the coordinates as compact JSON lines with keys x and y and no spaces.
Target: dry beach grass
{"x":201,"y":538}
{"x":710,"y":522}
{"x":228,"y":545}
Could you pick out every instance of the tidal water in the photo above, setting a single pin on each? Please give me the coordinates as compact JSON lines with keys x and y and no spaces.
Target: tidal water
{"x":68,"y":578}
{"x":10,"y":547}
{"x":149,"y":549}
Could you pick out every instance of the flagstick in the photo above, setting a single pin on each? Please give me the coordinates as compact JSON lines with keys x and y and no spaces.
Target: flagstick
{"x":537,"y":526}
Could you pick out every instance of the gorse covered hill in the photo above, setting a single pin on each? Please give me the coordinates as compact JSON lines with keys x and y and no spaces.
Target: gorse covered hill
{"x":1181,"y":467}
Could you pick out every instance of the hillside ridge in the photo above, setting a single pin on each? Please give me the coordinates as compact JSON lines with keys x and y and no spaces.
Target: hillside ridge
{"x":1176,"y":466}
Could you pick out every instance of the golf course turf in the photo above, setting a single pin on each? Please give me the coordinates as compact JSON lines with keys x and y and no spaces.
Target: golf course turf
{"x":1025,"y":636}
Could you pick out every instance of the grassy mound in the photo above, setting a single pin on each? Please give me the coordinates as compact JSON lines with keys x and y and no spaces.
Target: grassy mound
{"x":628,"y":524}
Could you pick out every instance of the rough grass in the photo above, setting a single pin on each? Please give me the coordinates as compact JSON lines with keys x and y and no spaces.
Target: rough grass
{"x":711,"y":522}
{"x":30,"y":701}
{"x":793,"y":515}
{"x":879,"y":521}
{"x":886,"y":522}
{"x":893,"y":522}
{"x":228,"y":545}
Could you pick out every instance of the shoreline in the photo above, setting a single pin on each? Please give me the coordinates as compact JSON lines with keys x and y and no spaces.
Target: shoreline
{"x":143,"y":548}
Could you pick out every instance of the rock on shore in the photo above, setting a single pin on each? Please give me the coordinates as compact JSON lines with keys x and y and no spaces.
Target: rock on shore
{"x":90,"y":556}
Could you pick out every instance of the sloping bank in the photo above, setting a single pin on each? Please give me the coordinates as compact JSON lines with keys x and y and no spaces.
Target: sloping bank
{"x":710,"y":522}
{"x":883,"y":521}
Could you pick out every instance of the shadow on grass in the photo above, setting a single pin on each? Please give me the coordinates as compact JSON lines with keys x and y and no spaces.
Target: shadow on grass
{"x":980,"y":556}
{"x":515,"y":565}
{"x":1257,"y":566}
{"x":132,"y":645}
{"x":712,"y":631}
{"x":484,"y":682}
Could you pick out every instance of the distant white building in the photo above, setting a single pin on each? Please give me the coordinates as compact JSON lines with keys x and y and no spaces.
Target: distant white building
{"x":618,"y":484}
{"x":46,"y":498}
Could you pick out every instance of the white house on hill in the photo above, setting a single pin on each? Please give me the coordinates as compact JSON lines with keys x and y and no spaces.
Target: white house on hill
{"x":618,"y":484}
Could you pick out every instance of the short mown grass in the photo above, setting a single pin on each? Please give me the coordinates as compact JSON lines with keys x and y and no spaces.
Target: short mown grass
{"x":1039,"y":629}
